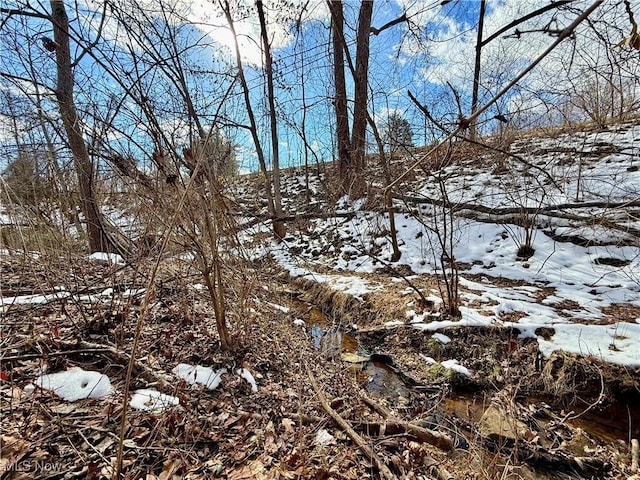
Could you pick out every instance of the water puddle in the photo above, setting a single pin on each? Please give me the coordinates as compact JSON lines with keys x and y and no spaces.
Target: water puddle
{"x":381,"y":380}
{"x":374,"y":371}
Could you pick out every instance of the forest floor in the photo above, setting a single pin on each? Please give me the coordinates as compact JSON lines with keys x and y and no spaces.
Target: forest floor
{"x":359,"y":372}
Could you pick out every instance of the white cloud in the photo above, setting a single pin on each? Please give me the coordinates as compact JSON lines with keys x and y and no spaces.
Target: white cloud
{"x":209,"y":18}
{"x":448,"y":51}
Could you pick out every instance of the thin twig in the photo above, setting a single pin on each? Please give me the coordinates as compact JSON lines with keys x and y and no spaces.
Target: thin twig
{"x":29,"y":356}
{"x":144,"y":309}
{"x":563,"y":35}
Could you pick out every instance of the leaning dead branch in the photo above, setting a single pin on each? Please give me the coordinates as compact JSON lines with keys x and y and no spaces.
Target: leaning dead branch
{"x":519,"y":210}
{"x":348,"y":429}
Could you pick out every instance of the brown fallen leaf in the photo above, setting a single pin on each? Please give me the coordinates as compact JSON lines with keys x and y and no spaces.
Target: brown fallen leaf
{"x":169,"y":469}
{"x":288,"y":424}
{"x":13,"y":450}
{"x":254,"y":470}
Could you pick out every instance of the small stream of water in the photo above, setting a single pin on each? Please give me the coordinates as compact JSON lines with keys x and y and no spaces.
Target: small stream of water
{"x":377,"y":375}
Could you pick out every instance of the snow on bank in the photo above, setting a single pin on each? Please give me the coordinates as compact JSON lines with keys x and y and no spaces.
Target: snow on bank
{"x":567,"y":287}
{"x":617,"y":343}
{"x":351,"y":285}
{"x":571,"y":290}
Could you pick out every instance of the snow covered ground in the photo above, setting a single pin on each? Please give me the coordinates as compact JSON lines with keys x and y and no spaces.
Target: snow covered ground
{"x":587,"y":291}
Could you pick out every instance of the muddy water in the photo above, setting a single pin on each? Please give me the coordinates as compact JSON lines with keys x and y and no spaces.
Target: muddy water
{"x":382,"y":381}
{"x":380,"y":378}
{"x":618,"y":422}
{"x":373,"y":371}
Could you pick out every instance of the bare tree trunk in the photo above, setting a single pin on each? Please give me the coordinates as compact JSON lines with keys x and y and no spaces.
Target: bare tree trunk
{"x":340,"y":98}
{"x":279,"y":227}
{"x":66,"y":201}
{"x":361,"y":81}
{"x":388,"y":200}
{"x":473,"y":132}
{"x":252,"y":119}
{"x":212,"y":273}
{"x":98,"y":239}
{"x":351,"y":150}
{"x":303,"y":127}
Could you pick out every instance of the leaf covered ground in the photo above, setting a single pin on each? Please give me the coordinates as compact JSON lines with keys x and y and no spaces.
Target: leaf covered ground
{"x":360,"y":374}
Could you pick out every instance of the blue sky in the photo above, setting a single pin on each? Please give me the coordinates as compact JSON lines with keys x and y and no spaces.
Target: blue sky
{"x":431,"y":55}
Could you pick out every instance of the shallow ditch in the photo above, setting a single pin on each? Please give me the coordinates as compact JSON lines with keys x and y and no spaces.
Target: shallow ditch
{"x":601,"y":400}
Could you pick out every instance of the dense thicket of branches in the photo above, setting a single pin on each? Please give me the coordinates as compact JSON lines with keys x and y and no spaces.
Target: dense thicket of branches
{"x":146,"y":94}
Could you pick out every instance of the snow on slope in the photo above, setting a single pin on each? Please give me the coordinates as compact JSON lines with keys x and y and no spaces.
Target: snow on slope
{"x":578,"y":281}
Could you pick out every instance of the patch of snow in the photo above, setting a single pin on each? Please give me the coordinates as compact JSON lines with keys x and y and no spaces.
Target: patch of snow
{"x":152,"y":401}
{"x":393,"y":323}
{"x":441,"y":338}
{"x":617,"y":343}
{"x":108,"y":258}
{"x":76,"y":384}
{"x":448,"y":364}
{"x":323,"y":437}
{"x":246,"y":374}
{"x":456,"y":367}
{"x":281,"y":308}
{"x":133,"y":292}
{"x":6,"y":302}
{"x":196,"y":374}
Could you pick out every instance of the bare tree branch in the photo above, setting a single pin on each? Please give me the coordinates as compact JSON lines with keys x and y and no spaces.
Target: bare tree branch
{"x":396,"y":21}
{"x":528,"y":16}
{"x":565,"y":33}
